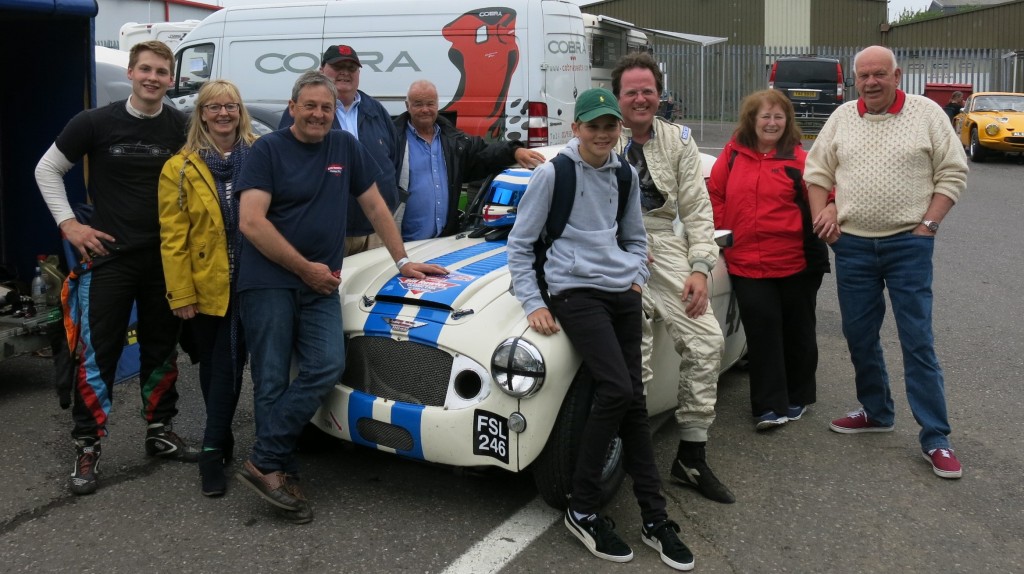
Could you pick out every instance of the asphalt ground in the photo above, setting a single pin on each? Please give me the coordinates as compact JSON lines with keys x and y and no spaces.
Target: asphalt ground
{"x":809,"y":500}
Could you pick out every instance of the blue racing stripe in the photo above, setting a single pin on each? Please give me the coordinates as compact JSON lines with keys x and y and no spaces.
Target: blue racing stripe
{"x":447,"y":291}
{"x":409,"y":417}
{"x":375,"y":323}
{"x":403,"y":415}
{"x":466,"y":253}
{"x":360,"y":406}
{"x":485,"y":266}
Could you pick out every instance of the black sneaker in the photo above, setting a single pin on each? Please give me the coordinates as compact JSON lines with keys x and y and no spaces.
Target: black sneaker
{"x":87,"y":467}
{"x":698,"y":475}
{"x":663,"y":537}
{"x":163,"y":442}
{"x":597,"y":533}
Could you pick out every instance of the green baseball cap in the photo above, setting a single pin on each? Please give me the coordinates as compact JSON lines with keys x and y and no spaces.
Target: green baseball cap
{"x":596,"y":102}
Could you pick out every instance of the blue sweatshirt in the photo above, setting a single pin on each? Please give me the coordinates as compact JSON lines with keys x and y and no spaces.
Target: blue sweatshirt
{"x":588,"y":254}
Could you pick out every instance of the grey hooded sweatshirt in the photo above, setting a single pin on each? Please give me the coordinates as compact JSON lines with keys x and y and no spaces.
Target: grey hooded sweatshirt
{"x":588,"y":254}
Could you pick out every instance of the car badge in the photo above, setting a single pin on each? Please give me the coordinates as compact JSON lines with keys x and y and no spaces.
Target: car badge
{"x":402,"y":325}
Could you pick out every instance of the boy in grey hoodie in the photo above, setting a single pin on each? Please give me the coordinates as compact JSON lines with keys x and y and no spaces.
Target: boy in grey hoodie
{"x":594,"y":272}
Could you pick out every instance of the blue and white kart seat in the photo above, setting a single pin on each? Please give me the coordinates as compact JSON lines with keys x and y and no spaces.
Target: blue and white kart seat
{"x":503,"y":195}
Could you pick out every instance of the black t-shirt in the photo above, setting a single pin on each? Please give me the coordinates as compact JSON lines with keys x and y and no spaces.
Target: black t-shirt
{"x":650,"y":197}
{"x":126,"y":155}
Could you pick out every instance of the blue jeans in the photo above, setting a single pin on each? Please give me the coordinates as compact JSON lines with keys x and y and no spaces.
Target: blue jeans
{"x":902,"y":264}
{"x":282,"y":326}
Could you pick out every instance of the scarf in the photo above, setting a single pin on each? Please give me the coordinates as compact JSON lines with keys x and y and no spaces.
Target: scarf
{"x":225,"y":171}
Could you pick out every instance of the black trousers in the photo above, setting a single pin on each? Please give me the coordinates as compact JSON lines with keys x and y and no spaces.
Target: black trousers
{"x":221,"y":365}
{"x":778,"y":316}
{"x":605,"y":329}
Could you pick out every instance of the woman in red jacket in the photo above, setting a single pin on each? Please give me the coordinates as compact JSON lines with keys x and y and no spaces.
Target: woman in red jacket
{"x":776,"y":262}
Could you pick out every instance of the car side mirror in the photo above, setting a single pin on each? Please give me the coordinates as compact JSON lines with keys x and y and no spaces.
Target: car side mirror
{"x":848,"y":82}
{"x":723,"y":237}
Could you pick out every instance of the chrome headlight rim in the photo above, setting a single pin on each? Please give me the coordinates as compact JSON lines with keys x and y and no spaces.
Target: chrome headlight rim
{"x":517,"y":368}
{"x":992,"y":129}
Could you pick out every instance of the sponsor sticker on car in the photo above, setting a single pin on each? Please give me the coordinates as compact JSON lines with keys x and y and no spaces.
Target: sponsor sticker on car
{"x":490,"y":435}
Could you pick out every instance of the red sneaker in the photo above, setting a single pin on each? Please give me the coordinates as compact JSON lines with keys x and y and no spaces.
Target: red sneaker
{"x":857,"y":422}
{"x":944,"y":462}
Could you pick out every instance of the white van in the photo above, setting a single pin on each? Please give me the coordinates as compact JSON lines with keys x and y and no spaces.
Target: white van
{"x":170,"y":33}
{"x":610,"y":39}
{"x":509,"y":70}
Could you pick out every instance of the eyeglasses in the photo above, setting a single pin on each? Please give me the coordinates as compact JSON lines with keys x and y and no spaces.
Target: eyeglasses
{"x":216,"y":108}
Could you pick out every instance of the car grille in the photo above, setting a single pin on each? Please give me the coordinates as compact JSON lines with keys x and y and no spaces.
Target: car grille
{"x":400,"y":371}
{"x":384,"y":434}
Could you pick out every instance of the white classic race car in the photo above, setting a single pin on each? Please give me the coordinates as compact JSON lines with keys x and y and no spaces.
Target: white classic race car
{"x":447,"y":370}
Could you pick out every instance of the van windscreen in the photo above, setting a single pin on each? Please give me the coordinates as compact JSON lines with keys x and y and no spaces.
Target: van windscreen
{"x":805,"y":72}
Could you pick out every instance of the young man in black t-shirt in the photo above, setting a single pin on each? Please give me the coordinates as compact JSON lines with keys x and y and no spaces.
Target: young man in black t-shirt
{"x":127,"y":143}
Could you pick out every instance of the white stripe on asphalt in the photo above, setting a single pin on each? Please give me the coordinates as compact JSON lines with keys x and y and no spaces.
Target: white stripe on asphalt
{"x":502,"y":544}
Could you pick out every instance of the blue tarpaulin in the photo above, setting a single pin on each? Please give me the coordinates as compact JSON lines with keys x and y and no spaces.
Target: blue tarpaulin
{"x":83,"y":8}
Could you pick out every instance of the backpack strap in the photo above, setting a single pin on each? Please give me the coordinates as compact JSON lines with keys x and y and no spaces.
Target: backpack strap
{"x":563,"y":195}
{"x":625,"y":177}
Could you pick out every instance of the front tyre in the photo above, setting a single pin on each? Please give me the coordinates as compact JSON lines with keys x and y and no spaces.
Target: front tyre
{"x":553,"y":469}
{"x":977,"y":153}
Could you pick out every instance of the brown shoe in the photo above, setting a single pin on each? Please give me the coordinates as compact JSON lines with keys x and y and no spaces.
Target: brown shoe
{"x":272,"y":486}
{"x":304,"y":513}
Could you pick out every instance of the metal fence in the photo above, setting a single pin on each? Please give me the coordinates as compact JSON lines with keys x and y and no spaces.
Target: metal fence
{"x":731,"y":72}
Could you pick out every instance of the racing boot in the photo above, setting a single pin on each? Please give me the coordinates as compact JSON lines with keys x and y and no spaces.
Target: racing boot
{"x":87,"y":466}
{"x":163,"y":442}
{"x":691,"y":469}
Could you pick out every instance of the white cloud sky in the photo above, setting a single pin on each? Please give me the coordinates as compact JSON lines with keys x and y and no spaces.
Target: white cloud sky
{"x":895,"y":6}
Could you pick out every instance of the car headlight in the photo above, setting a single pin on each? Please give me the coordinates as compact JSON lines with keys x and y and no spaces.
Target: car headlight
{"x":517,"y":367}
{"x":992,"y":129}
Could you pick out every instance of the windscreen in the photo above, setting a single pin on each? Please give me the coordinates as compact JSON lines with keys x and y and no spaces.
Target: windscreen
{"x":805,"y":72}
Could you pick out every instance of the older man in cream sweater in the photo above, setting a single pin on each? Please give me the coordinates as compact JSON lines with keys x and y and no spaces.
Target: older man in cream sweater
{"x":897,"y":169}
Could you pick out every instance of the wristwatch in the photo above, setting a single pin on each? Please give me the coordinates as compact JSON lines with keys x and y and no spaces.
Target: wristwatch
{"x":932,"y":226}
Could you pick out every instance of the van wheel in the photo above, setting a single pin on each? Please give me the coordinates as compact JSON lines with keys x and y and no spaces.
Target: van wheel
{"x":977,"y":153}
{"x":553,"y":469}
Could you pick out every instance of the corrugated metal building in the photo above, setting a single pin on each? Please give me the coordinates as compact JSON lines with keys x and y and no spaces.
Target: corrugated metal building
{"x":1000,"y":26}
{"x":758,"y":22}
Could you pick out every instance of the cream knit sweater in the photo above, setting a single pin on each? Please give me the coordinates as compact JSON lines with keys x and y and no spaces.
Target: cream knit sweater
{"x":886,"y":167}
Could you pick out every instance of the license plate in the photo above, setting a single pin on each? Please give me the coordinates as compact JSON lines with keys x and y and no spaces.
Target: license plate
{"x":1018,"y":134}
{"x":490,"y":435}
{"x":810,"y":136}
{"x":803,"y":94}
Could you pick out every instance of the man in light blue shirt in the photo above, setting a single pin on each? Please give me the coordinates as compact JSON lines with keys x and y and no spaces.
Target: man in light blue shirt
{"x":435,"y":158}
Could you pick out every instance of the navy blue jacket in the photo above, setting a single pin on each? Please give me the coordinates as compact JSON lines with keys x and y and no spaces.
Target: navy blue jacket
{"x":377,"y":134}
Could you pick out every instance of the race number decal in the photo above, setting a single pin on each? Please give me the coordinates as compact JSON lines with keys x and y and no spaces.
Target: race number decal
{"x":490,"y":435}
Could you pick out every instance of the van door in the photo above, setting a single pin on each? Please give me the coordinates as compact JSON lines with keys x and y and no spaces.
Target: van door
{"x":564,"y":71}
{"x":266,"y":48}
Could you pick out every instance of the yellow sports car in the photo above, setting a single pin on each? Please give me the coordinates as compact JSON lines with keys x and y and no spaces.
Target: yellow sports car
{"x":991,"y":122}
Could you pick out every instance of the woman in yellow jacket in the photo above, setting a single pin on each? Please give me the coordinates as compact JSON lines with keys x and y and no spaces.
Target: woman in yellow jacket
{"x":199,"y":241}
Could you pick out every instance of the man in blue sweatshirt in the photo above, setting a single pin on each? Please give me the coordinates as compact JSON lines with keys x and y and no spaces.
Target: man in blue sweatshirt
{"x":594,"y":272}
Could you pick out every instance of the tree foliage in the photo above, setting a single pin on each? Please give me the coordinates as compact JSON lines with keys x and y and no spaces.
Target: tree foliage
{"x":908,"y":16}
